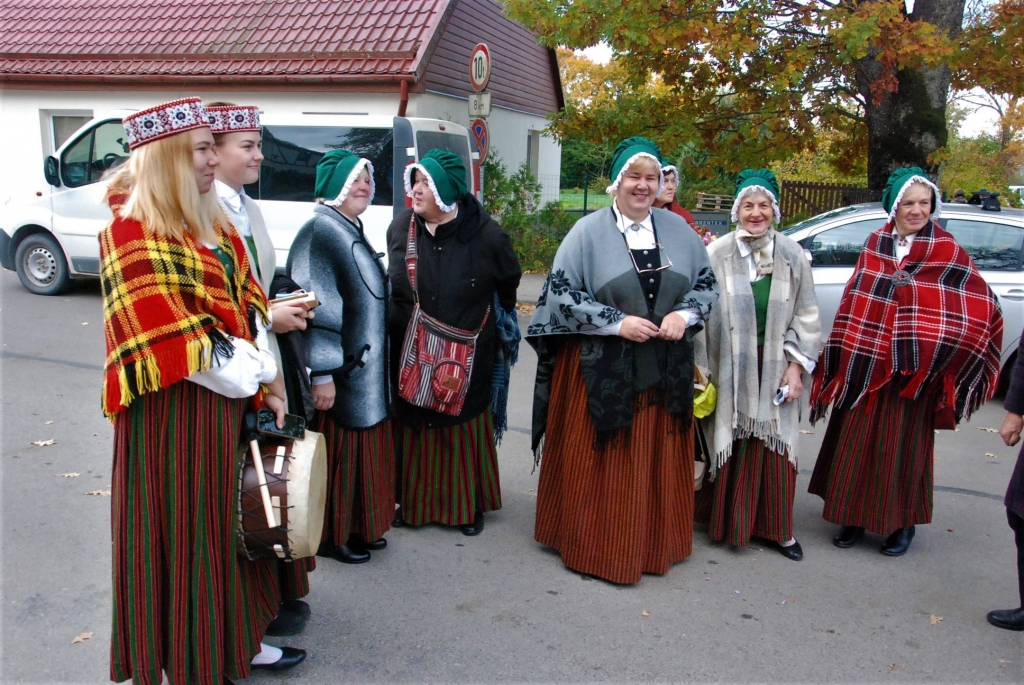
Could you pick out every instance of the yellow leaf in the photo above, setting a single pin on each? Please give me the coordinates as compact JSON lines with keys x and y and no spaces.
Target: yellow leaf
{"x":935,"y":620}
{"x":644,"y":613}
{"x":48,"y":423}
{"x":989,"y":454}
{"x":806,"y":432}
{"x":82,"y":638}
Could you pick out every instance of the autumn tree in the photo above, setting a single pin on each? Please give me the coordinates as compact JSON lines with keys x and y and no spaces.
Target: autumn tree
{"x":752,"y":81}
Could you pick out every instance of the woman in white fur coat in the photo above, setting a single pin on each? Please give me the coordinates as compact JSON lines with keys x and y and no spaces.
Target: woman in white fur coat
{"x":762,"y":338}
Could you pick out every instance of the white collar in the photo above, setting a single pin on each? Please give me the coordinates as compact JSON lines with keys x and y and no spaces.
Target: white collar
{"x":623,"y":223}
{"x":896,"y":236}
{"x":232,"y":199}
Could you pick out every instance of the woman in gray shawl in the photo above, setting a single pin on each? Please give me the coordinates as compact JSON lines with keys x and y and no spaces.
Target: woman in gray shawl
{"x":613,"y":401}
{"x":758,"y":343}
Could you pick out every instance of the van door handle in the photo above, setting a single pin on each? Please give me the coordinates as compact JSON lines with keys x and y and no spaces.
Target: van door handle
{"x":1014,"y":295}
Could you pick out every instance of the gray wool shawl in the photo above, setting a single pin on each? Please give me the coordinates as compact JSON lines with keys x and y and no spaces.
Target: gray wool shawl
{"x":727,"y":349}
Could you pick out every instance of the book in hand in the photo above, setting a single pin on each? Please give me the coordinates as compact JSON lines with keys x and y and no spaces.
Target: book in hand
{"x":303,"y":297}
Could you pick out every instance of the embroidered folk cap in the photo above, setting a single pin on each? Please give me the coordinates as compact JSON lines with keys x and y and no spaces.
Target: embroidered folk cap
{"x":336,"y":172}
{"x":167,"y":119}
{"x":754,"y":180}
{"x":446,"y":176}
{"x":898,"y":183}
{"x":627,"y":152}
{"x":234,"y":118}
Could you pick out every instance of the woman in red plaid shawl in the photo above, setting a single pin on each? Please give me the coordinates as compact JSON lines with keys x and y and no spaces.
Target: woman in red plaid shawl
{"x":185,"y":325}
{"x":915,"y":346}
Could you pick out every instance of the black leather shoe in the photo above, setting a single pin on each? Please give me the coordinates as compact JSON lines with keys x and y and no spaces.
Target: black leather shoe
{"x":897,"y":544}
{"x":286,"y":623}
{"x":398,"y":521}
{"x":290,"y":657}
{"x":375,"y":545}
{"x":476,"y":527}
{"x":297,"y":606}
{"x":794,"y":551}
{"x":1010,"y":619}
{"x":348,"y":555}
{"x":847,"y":536}
{"x":358,"y":543}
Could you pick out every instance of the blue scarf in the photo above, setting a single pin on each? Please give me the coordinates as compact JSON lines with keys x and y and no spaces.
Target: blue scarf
{"x":506,"y":354}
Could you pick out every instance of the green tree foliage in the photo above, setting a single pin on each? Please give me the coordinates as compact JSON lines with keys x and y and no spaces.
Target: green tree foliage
{"x":752,"y":82}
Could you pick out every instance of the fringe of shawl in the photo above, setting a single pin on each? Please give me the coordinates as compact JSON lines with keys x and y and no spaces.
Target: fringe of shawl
{"x":749,"y":427}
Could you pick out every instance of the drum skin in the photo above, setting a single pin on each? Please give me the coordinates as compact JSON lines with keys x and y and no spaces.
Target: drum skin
{"x":296,"y":475}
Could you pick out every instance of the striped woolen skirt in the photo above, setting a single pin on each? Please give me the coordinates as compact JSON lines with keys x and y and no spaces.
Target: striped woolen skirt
{"x":448,"y":473}
{"x":875,"y":467}
{"x":624,"y":510}
{"x":185,"y":602}
{"x":360,"y":480}
{"x":293,"y":577}
{"x":751,"y":497}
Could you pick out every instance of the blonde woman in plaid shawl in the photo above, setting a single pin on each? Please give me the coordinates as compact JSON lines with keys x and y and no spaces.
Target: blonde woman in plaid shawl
{"x":915,"y":346}
{"x":764,"y":335}
{"x":185,"y":325}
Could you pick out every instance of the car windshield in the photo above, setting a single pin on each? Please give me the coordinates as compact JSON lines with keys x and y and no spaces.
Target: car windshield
{"x":814,"y":220}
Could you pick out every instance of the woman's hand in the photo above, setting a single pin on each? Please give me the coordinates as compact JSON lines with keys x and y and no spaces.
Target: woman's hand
{"x":637,"y":329}
{"x":289,"y":317}
{"x":323,"y":396}
{"x":793,"y":378}
{"x":1010,"y":430}
{"x":274,"y":399}
{"x":673,"y":326}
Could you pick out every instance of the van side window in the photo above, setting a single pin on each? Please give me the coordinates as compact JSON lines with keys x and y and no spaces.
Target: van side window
{"x":993,"y":247}
{"x":88,"y":158}
{"x":291,"y":154}
{"x":842,"y":245}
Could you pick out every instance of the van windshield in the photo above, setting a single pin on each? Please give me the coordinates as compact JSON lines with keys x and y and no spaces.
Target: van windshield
{"x":291,"y":154}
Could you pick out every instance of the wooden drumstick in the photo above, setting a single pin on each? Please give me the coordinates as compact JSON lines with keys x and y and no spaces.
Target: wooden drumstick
{"x":261,"y":478}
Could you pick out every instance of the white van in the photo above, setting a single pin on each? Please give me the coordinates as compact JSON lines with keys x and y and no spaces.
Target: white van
{"x":51,"y":239}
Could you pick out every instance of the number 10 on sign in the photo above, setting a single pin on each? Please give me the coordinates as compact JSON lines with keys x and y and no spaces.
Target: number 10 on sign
{"x":480,"y":67}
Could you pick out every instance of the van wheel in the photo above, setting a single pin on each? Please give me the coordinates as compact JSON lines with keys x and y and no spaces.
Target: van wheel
{"x":41,"y":266}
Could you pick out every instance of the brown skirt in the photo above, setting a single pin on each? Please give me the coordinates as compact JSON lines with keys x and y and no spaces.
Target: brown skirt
{"x":360,"y":480}
{"x":623,"y":510}
{"x":751,"y":497}
{"x":875,"y":467}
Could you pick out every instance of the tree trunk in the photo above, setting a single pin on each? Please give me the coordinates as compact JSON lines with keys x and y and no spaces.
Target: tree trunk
{"x":907,"y":125}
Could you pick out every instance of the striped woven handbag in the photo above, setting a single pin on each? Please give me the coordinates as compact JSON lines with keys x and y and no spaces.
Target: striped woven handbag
{"x":437,"y":359}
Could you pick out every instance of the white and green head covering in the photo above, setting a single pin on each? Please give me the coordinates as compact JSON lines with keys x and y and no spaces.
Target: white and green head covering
{"x":336,"y":172}
{"x":446,"y":176}
{"x":898,"y":183}
{"x":752,"y":181}
{"x":629,"y":151}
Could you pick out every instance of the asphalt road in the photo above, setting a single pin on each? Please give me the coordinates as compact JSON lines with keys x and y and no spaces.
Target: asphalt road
{"x":436,"y":606}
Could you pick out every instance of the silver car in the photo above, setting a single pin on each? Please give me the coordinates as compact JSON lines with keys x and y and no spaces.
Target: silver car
{"x":834,"y":240}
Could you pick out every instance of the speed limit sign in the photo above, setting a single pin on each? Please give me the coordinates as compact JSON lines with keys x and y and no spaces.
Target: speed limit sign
{"x":480,"y":67}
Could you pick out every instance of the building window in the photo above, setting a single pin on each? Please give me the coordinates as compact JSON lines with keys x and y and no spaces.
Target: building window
{"x":533,"y":151}
{"x":59,"y":125}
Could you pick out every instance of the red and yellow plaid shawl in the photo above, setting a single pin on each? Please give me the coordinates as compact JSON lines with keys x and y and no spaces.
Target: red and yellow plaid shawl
{"x":942,"y":325}
{"x":167,"y":305}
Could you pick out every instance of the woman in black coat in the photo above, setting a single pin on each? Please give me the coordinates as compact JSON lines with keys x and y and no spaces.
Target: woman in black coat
{"x":448,"y":470}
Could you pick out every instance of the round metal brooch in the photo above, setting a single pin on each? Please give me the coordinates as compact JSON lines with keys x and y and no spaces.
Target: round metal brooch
{"x":901,"y":278}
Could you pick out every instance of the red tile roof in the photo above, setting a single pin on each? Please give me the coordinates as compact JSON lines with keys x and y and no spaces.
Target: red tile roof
{"x":310,"y":41}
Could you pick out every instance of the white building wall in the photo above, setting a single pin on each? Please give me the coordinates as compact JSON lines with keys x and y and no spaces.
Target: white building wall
{"x":509,"y":129}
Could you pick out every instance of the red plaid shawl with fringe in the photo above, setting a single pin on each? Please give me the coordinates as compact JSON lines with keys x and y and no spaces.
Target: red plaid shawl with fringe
{"x":167,"y":305}
{"x":944,"y":325}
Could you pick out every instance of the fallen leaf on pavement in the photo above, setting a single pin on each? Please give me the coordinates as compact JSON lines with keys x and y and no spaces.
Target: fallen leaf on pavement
{"x":894,"y":667}
{"x":988,"y":430}
{"x":99,"y":493}
{"x":989,"y":454}
{"x":48,"y":423}
{"x":71,"y":474}
{"x":1004,"y":661}
{"x":949,"y":530}
{"x":82,"y":638}
{"x":806,"y":432}
{"x":85,"y":323}
{"x":44,"y":443}
{"x":644,"y":613}
{"x":935,"y":620}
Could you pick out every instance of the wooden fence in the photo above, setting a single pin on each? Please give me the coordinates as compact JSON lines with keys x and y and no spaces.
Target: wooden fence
{"x":808,"y":199}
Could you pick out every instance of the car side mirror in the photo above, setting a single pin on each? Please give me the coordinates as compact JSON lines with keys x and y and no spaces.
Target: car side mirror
{"x":50,"y":171}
